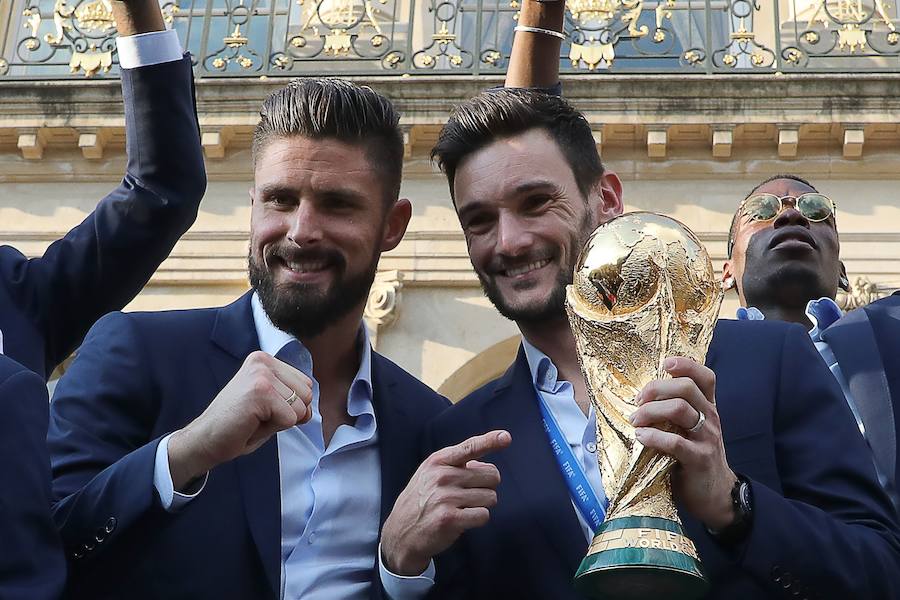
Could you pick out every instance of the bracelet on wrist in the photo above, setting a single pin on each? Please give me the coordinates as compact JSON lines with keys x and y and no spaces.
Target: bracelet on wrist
{"x":550,"y":32}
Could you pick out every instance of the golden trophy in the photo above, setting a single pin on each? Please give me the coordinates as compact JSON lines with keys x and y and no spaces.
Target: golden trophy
{"x":644,"y":289}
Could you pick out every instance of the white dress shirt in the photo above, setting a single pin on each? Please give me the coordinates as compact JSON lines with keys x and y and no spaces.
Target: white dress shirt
{"x":145,"y":49}
{"x":580,"y":431}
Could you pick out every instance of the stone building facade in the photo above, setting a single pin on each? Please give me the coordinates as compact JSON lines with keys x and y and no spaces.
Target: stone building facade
{"x":690,"y":106}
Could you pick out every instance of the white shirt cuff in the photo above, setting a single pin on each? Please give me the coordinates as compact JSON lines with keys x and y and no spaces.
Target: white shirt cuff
{"x":145,"y":49}
{"x":162,"y":480}
{"x":398,"y":587}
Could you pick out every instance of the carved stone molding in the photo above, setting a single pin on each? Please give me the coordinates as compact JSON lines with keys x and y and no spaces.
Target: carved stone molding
{"x":383,"y":303}
{"x":862,"y":292}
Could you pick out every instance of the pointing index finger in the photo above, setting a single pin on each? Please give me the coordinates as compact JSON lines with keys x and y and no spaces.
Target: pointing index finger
{"x":474,"y":448}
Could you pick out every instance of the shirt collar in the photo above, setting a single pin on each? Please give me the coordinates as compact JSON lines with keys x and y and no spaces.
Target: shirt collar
{"x":750,"y":313}
{"x":272,"y":339}
{"x":543,"y":372}
{"x":822,"y":313}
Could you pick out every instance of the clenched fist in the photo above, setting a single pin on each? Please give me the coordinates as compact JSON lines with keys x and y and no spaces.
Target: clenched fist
{"x":450,"y":493}
{"x":264,"y":397}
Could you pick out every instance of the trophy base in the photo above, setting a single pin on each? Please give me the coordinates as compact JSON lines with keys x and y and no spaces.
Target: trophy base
{"x":634,"y":558}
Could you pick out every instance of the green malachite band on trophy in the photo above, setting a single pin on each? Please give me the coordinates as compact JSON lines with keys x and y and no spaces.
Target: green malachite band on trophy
{"x":652,"y":558}
{"x":641,"y":557}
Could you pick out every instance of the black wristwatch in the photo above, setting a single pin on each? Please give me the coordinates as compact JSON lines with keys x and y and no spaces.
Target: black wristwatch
{"x":742,"y":501}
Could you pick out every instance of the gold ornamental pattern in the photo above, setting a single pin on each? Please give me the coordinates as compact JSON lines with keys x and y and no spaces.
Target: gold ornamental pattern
{"x":232,"y":38}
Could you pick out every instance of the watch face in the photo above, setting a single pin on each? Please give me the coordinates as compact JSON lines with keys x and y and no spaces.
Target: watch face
{"x":744,"y":497}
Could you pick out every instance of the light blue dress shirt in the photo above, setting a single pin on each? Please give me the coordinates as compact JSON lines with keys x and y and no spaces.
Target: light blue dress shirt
{"x":330,"y":495}
{"x":822,"y":313}
{"x":580,"y":431}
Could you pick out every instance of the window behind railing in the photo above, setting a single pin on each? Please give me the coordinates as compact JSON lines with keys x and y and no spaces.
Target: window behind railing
{"x":61,"y":38}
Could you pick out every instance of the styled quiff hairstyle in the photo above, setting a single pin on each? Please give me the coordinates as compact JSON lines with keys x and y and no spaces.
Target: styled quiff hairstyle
{"x":507,"y":112}
{"x":320,"y":108}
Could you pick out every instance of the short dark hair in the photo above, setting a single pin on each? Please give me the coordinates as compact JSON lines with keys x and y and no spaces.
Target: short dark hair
{"x":734,"y":219}
{"x":506,"y":112}
{"x":320,"y":108}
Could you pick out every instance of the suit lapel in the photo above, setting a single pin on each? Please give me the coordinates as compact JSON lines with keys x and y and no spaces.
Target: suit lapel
{"x":852,"y":340}
{"x":397,"y":449}
{"x":529,"y":465}
{"x":234,"y":337}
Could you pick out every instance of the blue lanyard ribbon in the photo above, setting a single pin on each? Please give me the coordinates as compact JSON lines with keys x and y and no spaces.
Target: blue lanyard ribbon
{"x":580,"y":489}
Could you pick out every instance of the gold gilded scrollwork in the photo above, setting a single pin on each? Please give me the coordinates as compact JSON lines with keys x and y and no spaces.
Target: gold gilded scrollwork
{"x":61,"y":16}
{"x":744,"y":49}
{"x":853,"y":22}
{"x":95,"y":16}
{"x":342,"y":21}
{"x":601,"y":24}
{"x":91,"y":61}
{"x":85,"y":30}
{"x":445,"y":49}
{"x":81,"y":35}
{"x":236,"y":46}
{"x":32,"y":20}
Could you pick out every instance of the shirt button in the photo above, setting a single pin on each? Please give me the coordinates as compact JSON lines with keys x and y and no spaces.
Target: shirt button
{"x":591,"y":447}
{"x":312,"y":538}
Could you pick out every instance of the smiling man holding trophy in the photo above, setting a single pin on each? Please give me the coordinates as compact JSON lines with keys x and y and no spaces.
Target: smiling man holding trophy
{"x":773,"y":484}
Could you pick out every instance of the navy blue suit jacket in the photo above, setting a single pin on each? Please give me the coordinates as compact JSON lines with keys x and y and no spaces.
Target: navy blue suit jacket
{"x":140,"y":376}
{"x":31,"y":560}
{"x":866,"y":344}
{"x":47,"y":304}
{"x":823,"y":527}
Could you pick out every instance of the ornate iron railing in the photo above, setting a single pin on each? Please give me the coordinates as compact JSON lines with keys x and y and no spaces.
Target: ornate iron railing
{"x":59,"y":38}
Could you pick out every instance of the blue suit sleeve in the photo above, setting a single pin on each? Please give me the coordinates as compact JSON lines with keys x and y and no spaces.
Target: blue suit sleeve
{"x":830,"y":532}
{"x":32,"y":566}
{"x":103,"y":263}
{"x":101,"y":449}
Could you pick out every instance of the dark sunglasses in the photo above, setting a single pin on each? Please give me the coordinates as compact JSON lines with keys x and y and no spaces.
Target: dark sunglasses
{"x":813,"y":206}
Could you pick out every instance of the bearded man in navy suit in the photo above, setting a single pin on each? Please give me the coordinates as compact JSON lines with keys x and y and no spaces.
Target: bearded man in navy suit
{"x":48,"y":303}
{"x":774,"y":483}
{"x":253,"y":450}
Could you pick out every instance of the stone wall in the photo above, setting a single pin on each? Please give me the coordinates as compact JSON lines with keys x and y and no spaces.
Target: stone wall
{"x":688,"y":147}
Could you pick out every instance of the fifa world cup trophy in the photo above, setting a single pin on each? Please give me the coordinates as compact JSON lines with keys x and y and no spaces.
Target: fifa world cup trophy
{"x":644,"y":289}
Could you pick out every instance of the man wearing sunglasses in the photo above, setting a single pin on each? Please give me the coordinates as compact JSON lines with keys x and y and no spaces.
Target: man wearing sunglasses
{"x":783,"y":261}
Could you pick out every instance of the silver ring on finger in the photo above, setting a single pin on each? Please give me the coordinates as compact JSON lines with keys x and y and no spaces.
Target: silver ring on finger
{"x":293,"y":398}
{"x":701,"y":419}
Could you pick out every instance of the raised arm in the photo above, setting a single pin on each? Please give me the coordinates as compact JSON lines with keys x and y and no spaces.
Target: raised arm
{"x":137,"y":16}
{"x":534,"y":62}
{"x":104,"y":262}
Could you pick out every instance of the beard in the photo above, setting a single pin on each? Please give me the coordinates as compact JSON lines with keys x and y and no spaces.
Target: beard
{"x":553,"y":306}
{"x":306,"y":310}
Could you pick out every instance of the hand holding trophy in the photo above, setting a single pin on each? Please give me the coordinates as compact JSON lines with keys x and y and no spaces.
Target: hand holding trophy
{"x":644,"y":289}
